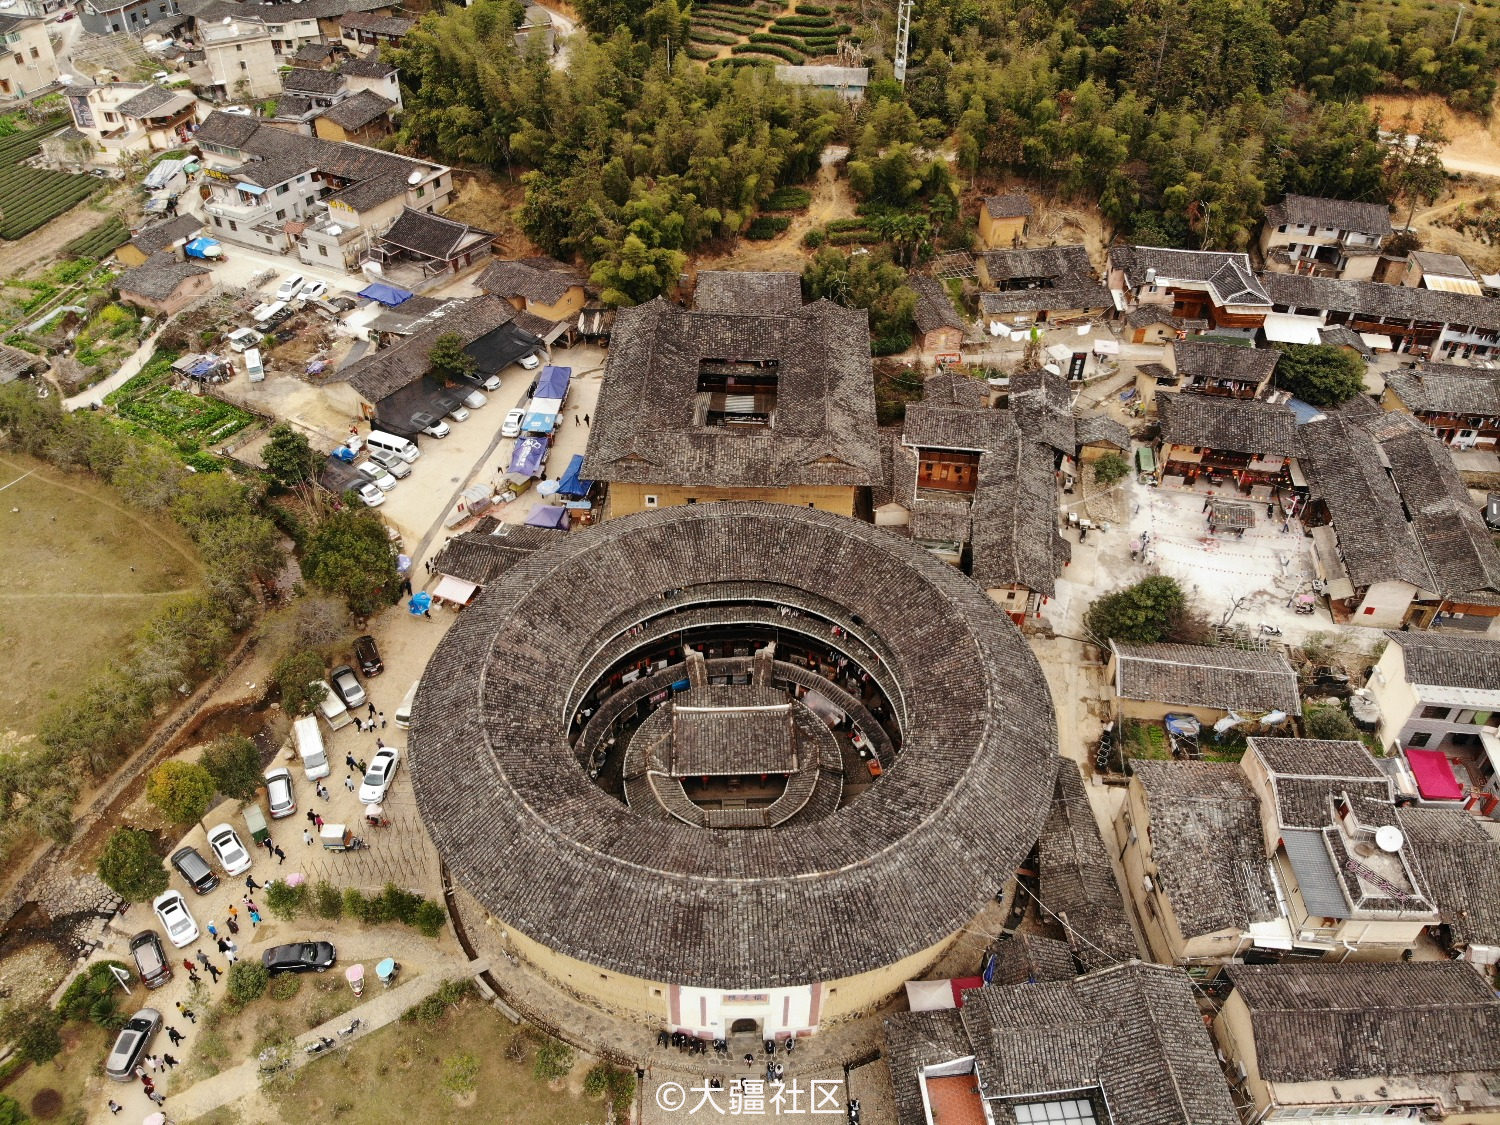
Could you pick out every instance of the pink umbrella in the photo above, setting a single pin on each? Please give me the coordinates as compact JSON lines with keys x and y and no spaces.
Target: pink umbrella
{"x":155,"y":1119}
{"x":296,"y":879}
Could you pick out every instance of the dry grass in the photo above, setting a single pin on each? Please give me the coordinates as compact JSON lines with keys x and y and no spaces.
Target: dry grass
{"x":83,"y":572}
{"x":491,"y":204}
{"x":84,"y":1048}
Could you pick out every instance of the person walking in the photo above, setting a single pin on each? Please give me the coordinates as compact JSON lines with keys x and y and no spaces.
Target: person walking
{"x":213,"y":971}
{"x":379,"y":743}
{"x":186,"y":1013}
{"x":349,"y":782}
{"x":310,"y":816}
{"x":585,"y":419}
{"x":318,"y":820}
{"x":223,"y":945}
{"x":114,"y":1106}
{"x":170,"y":1062}
{"x":234,"y":927}
{"x":213,"y":931}
{"x":350,"y":762}
{"x":382,"y":720}
{"x":249,"y":902}
{"x":175,"y":1036}
{"x":362,"y":766}
{"x":202,"y":957}
{"x":372,"y":708}
{"x":156,"y":1096}
{"x":251,"y":884}
{"x":322,"y":791}
{"x":231,"y":951}
{"x":280,"y":855}
{"x":254,"y":916}
{"x":234,"y":912}
{"x":307,"y":837}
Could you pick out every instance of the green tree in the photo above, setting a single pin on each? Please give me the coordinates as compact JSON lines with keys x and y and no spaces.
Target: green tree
{"x":634,"y":272}
{"x":1110,"y":469}
{"x":866,"y":281}
{"x":448,"y":360}
{"x":554,"y":1059}
{"x":234,"y":764}
{"x":1330,"y":723}
{"x":285,"y":900}
{"x":34,"y":1033}
{"x":460,"y":1074}
{"x":299,"y":678}
{"x":130,"y":867}
{"x":181,"y":790}
{"x":1321,"y":374}
{"x":10,"y":1109}
{"x":1414,"y":167}
{"x":1141,"y":614}
{"x":247,"y":980}
{"x":349,"y":554}
{"x":289,"y":457}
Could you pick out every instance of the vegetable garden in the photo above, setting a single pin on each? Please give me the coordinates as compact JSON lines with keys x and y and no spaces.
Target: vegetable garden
{"x":30,"y":197}
{"x":760,"y":31}
{"x":150,"y":406}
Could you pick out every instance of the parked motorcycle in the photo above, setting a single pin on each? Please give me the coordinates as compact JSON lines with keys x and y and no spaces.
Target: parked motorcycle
{"x":321,"y":1044}
{"x":1269,"y":630}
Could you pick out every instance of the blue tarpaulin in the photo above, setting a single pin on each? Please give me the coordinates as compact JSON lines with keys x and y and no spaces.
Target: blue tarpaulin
{"x":203,"y":248}
{"x":553,"y":382}
{"x":526,"y":459}
{"x":420,"y":603}
{"x":387,"y":295}
{"x":203,"y":367}
{"x":548,"y":515}
{"x":570,"y":484}
{"x":540,"y":422}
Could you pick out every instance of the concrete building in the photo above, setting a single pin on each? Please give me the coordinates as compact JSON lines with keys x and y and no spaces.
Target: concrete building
{"x":27,"y":62}
{"x":105,"y":17}
{"x":166,"y":235}
{"x":121,"y":119}
{"x":373,"y":76}
{"x":240,"y":61}
{"x":848,"y":82}
{"x":751,"y":396}
{"x":711,"y":704}
{"x":1325,"y":237}
{"x":1414,"y":1041}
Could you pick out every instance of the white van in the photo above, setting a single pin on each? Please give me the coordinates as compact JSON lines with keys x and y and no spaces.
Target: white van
{"x":254,"y":369}
{"x":310,"y":746}
{"x":403,"y":712}
{"x":334,"y":713}
{"x":390,"y":443}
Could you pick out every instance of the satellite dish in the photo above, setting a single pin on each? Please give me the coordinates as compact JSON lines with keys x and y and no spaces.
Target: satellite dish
{"x":335,"y":230}
{"x":1388,"y":838}
{"x":414,"y":178}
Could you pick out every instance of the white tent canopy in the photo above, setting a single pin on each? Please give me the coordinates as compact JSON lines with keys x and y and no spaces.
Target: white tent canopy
{"x":1285,"y":328}
{"x":452,"y":589}
{"x":929,"y":995}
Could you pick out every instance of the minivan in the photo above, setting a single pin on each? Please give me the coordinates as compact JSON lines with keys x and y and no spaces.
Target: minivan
{"x":195,"y":869}
{"x":310,"y":748}
{"x":390,"y":443}
{"x":334,"y":713}
{"x":403,"y":712}
{"x":255,"y":370}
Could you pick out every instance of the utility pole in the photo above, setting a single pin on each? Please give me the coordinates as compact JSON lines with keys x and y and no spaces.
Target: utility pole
{"x":903,"y":37}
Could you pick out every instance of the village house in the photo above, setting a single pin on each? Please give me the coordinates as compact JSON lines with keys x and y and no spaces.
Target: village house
{"x":1208,"y":368}
{"x":1444,"y":273}
{"x":1077,"y":880}
{"x":27,"y":61}
{"x":105,"y":17}
{"x":292,"y":25}
{"x":1325,"y":237}
{"x":1210,"y":683}
{"x":1002,"y":220}
{"x":1413,"y":1041}
{"x":239,"y":61}
{"x":1217,"y":287}
{"x":367,"y":32}
{"x":319,"y":56}
{"x":164,"y":285}
{"x":1124,"y":1045}
{"x":38,"y":8}
{"x":371,"y":75}
{"x":547,"y":290}
{"x":1155,"y":324}
{"x":750,"y":396}
{"x":165,"y":235}
{"x":1053,"y":285}
{"x":1441,"y":692}
{"x":1397,"y":543}
{"x":470,"y":561}
{"x":1247,"y":446}
{"x":1422,"y":322}
{"x":361,"y":118}
{"x":1461,"y":863}
{"x":939,"y":327}
{"x":340,"y":196}
{"x":1461,"y":405}
{"x":429,"y":244}
{"x":121,"y":119}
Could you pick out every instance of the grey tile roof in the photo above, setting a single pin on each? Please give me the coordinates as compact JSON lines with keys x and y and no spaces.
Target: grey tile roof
{"x":391,"y":369}
{"x":359,"y":109}
{"x":1230,"y":679}
{"x":1344,"y":214}
{"x":1077,"y":880}
{"x":824,"y":426}
{"x":1341,"y":1022}
{"x":1460,"y":864}
{"x":1042,"y":403}
{"x":1218,"y":422}
{"x":158,"y":236}
{"x":946,"y":426}
{"x":1076,"y":296}
{"x":536,"y":841}
{"x":392,"y":27}
{"x":433,"y":236}
{"x":1306,"y":772}
{"x":480,"y":556}
{"x":1228,"y":274}
{"x":1029,"y":958}
{"x":368,"y":67}
{"x":227,"y":129}
{"x":1340,"y":336}
{"x":747,"y":291}
{"x":934,"y":307}
{"x":1145,"y":315}
{"x":1133,"y":1032}
{"x":1442,"y":265}
{"x":159,"y":277}
{"x":1372,"y":298}
{"x":914,"y":1040}
{"x":304,"y":80}
{"x":1066,"y":266}
{"x":148,"y":100}
{"x":1447,"y":388}
{"x":1102,"y":429}
{"x":1010,"y":206}
{"x":542,"y":284}
{"x":1015,"y":538}
{"x":1212,"y":360}
{"x":1207,"y":846}
{"x":1439,"y":660}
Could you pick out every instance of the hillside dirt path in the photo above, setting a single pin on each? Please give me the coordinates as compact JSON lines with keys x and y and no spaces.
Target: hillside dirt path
{"x":830,"y":200}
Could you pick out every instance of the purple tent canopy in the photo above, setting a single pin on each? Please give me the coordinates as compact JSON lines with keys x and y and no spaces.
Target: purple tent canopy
{"x":530,"y":451}
{"x":548,"y":515}
{"x":553,"y":382}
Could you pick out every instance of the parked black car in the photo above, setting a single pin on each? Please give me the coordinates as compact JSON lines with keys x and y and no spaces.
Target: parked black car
{"x":150,"y":959}
{"x":368,"y":656}
{"x":299,"y":957}
{"x":195,"y":869}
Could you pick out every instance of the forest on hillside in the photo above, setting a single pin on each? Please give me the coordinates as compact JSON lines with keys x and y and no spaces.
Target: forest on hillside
{"x":1180,"y":121}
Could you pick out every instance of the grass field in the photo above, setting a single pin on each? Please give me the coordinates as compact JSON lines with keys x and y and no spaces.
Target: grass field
{"x":83,"y":572}
{"x":84,"y":1048}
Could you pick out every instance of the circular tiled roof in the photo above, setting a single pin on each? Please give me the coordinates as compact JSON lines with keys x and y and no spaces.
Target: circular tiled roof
{"x":523,"y":828}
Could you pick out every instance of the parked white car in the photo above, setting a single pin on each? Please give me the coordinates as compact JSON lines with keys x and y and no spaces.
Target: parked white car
{"x":376,"y":475}
{"x":511,"y":427}
{"x":371,"y":495}
{"x":175,"y":918}
{"x":314,"y":290}
{"x":243,"y":339}
{"x":291,"y":287}
{"x":392,"y":463}
{"x":233,"y":856}
{"x":378,"y":778}
{"x":279,"y":795}
{"x":458,"y":413}
{"x":530,"y":362}
{"x":475,"y":399}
